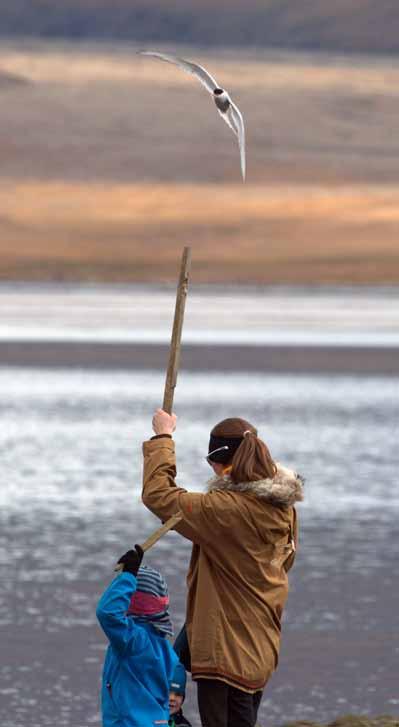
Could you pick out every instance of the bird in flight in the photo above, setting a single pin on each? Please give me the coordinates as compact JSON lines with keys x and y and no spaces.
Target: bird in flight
{"x":229,"y":112}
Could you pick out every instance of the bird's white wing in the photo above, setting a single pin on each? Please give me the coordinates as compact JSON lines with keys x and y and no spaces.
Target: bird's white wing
{"x":226,"y":118}
{"x":237,"y":124}
{"x":193,"y":68}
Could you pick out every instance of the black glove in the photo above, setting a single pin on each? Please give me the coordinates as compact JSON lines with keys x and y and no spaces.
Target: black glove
{"x":132,"y":559}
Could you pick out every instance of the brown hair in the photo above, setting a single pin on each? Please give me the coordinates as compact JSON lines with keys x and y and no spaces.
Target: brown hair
{"x":252,"y":461}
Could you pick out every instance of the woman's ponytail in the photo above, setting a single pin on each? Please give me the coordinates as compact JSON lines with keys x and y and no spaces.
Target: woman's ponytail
{"x":252,"y":460}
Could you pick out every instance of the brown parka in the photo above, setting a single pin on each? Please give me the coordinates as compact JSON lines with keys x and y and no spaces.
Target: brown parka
{"x":244,"y":539}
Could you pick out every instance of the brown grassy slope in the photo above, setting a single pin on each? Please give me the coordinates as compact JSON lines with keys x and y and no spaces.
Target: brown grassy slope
{"x":110,"y":164}
{"x":258,"y":234}
{"x":110,"y":115}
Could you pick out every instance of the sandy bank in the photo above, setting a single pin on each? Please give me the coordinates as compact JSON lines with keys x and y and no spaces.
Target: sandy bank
{"x":195,"y":357}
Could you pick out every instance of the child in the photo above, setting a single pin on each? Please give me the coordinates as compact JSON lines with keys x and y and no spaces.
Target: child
{"x":140,"y":662}
{"x":176,"y":698}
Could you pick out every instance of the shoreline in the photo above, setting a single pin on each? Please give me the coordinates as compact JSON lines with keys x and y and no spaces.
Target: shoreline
{"x":278,"y":358}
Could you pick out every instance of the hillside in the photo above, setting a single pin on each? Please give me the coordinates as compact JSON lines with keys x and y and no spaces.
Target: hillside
{"x":344,"y":25}
{"x":110,"y":162}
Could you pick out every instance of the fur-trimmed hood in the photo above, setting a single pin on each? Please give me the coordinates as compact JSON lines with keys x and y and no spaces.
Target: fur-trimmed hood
{"x":284,"y":490}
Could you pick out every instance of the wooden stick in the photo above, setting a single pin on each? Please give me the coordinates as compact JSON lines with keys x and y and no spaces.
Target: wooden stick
{"x":160,"y":532}
{"x":174,"y":355}
{"x":171,"y":380}
{"x":156,"y":535}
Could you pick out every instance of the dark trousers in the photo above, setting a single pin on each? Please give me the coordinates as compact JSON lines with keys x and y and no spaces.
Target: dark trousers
{"x":223,"y":706}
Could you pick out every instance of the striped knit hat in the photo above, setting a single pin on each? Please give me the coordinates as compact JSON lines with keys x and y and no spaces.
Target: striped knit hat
{"x":150,"y":602}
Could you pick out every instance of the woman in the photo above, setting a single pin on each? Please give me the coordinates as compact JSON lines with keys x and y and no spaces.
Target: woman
{"x":244,"y":532}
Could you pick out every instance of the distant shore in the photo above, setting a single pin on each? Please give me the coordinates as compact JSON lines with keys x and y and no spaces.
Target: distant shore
{"x":321,"y":201}
{"x":366,"y":360}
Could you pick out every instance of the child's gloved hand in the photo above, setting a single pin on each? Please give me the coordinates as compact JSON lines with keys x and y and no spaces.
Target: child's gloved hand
{"x":132,"y":559}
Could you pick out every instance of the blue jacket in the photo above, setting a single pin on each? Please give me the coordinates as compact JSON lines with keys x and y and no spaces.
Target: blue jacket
{"x":139,"y":663}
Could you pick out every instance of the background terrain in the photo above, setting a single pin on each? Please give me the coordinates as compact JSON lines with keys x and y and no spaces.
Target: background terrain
{"x":353,"y":25}
{"x":111,"y":162}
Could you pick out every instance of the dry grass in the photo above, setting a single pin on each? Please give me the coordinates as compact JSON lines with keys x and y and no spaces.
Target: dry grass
{"x":92,"y":63}
{"x":111,"y":163}
{"x":258,"y":233}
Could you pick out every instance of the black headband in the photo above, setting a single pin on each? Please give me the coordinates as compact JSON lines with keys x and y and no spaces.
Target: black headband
{"x":223,"y":449}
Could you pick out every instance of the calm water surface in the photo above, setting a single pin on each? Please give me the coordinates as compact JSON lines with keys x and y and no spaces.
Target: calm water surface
{"x":70,"y":505}
{"x":218,"y":314}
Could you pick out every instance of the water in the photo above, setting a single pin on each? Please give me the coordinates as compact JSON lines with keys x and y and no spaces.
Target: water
{"x":323,"y":316}
{"x":70,"y":505}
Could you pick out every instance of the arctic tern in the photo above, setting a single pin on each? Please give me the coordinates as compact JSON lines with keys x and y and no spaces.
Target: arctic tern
{"x":227,"y":109}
